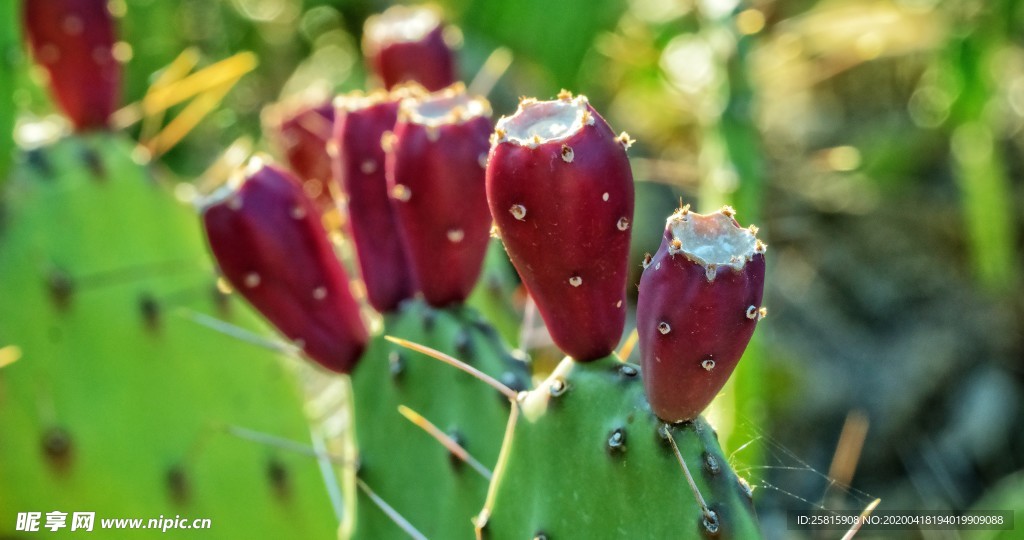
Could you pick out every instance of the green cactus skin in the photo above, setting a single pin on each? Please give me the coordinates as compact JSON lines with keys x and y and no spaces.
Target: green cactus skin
{"x":10,"y":60}
{"x":119,"y":405}
{"x":584,"y":459}
{"x":405,"y":466}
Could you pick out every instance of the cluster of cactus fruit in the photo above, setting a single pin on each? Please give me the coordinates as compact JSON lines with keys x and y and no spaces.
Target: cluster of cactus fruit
{"x":601,"y":447}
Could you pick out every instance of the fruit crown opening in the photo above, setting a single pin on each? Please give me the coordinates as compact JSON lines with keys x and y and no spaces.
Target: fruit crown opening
{"x":401,"y":24}
{"x":538,"y":122}
{"x":451,"y":105}
{"x":712,"y":240}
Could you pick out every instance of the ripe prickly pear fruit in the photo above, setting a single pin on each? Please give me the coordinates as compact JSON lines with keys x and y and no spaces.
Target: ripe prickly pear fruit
{"x":362,"y":121}
{"x":407,"y":44}
{"x":435,"y":170}
{"x":302,"y":136}
{"x":74,"y":41}
{"x":561,"y":192}
{"x":700,"y":299}
{"x":271,"y":246}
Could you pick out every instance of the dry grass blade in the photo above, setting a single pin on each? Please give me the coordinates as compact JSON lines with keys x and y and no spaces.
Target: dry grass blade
{"x":449,"y":443}
{"x":225,"y":72}
{"x":433,"y":353}
{"x":494,"y":67}
{"x":629,"y":345}
{"x":188,"y":119}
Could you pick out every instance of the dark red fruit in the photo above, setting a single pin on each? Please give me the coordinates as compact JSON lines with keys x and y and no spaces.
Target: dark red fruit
{"x":435,"y":169}
{"x":700,"y":299}
{"x":362,"y":122}
{"x":270,"y":245}
{"x":302,"y":135}
{"x":406,"y":44}
{"x":74,"y":41}
{"x":561,"y":192}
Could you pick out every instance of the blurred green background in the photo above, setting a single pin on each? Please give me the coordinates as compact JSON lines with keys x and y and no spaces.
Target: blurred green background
{"x":878,"y":145}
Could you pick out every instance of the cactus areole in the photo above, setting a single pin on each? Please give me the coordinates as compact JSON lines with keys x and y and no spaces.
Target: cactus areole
{"x":699,"y":301}
{"x":406,"y":44}
{"x":561,"y":193}
{"x":435,"y":171}
{"x":74,"y":41}
{"x":270,"y":245}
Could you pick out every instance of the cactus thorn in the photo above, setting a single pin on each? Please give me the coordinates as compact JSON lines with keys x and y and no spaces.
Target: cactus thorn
{"x":438,"y":355}
{"x":622,"y":224}
{"x":565,"y":95}
{"x":647,"y":260}
{"x":450,"y":442}
{"x":710,"y":518}
{"x":390,"y":511}
{"x":664,"y":327}
{"x":708,"y":364}
{"x":728,"y":211}
{"x":625,"y":140}
{"x":675,"y":246}
{"x":575,"y":281}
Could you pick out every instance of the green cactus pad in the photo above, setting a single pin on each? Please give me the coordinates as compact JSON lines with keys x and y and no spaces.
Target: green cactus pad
{"x":585,"y":459}
{"x":119,"y":404}
{"x":410,"y":470}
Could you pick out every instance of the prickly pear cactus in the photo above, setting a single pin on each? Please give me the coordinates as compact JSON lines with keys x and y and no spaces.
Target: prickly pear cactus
{"x":437,"y":493}
{"x":587,"y":458}
{"x":119,"y":403}
{"x":585,"y":455}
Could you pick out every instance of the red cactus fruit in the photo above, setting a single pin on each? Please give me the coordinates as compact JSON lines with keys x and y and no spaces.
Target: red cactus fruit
{"x":362,"y":122}
{"x":302,"y":134}
{"x":407,"y":44}
{"x":435,"y":171}
{"x":561,"y":192}
{"x":270,"y":245}
{"x":700,"y":299}
{"x":74,"y":41}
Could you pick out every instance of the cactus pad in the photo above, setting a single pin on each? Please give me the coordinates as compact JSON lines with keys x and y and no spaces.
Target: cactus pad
{"x":586,"y":458}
